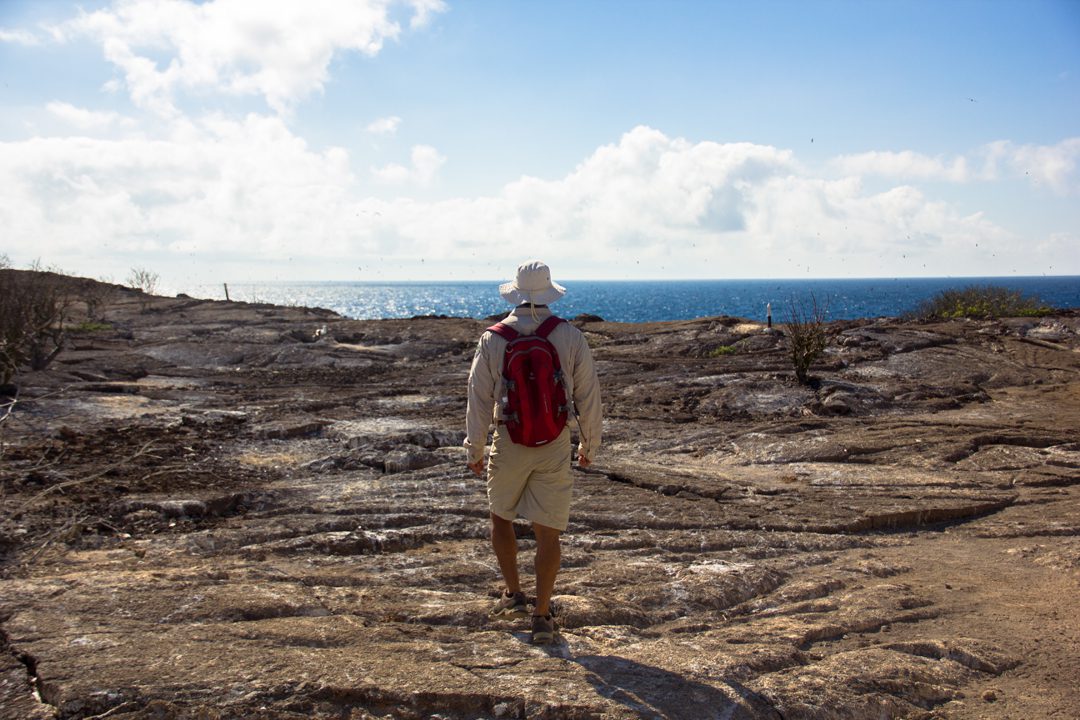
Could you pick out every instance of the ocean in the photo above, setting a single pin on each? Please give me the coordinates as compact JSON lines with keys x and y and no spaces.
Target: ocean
{"x":640,"y":301}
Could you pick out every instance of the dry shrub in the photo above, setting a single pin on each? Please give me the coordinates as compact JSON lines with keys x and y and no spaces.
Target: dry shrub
{"x":142,"y":280}
{"x":33,"y":309}
{"x":96,"y":295}
{"x":145,"y":281}
{"x":806,"y":335}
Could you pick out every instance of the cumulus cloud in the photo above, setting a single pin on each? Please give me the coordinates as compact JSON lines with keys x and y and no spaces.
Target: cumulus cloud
{"x":248,"y":192}
{"x":905,"y":165}
{"x":384,"y":125}
{"x":425,"y":165}
{"x":650,"y":201}
{"x":1055,"y":166}
{"x":424,"y":10}
{"x":280,"y":50}
{"x":217,"y":188}
{"x":84,"y":119}
{"x":1052,"y":166}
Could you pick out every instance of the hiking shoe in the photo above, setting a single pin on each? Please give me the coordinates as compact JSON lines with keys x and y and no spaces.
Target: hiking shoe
{"x":512,"y":605}
{"x":543,"y":630}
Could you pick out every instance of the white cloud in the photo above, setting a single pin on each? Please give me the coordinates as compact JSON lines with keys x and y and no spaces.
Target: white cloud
{"x":384,"y":125}
{"x":19,"y":37}
{"x":214,"y":189}
{"x":1053,"y":166}
{"x":279,"y":50}
{"x":651,"y":204}
{"x":904,"y":165}
{"x":246,"y":196}
{"x":84,"y":119}
{"x":425,"y":165}
{"x":424,"y":10}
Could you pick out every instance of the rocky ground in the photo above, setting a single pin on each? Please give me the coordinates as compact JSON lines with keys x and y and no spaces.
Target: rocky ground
{"x":227,"y":510}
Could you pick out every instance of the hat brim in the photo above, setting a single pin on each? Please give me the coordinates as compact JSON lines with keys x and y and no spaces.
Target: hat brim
{"x":515,"y":296}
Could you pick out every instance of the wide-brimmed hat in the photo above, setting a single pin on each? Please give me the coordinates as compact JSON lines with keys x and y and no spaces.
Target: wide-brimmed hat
{"x":532,"y":285}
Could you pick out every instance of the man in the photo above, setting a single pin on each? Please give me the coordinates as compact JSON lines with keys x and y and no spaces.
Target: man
{"x":533,"y":482}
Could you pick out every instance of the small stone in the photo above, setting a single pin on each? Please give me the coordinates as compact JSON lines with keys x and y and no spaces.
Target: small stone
{"x":990,"y":696}
{"x":409,"y":457}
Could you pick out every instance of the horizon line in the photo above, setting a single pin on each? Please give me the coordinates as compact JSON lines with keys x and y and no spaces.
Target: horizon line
{"x":659,"y":280}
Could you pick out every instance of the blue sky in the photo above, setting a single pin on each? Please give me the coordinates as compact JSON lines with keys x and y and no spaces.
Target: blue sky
{"x":242,"y":141}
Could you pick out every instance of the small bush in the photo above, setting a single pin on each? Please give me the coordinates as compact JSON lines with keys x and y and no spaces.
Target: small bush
{"x":143,"y":280}
{"x":981,"y":301}
{"x":722,"y":350}
{"x":806,"y":335}
{"x":33,"y":309}
{"x":96,"y":296}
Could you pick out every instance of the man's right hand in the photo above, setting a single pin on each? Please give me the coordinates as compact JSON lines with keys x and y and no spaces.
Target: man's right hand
{"x":477,"y":468}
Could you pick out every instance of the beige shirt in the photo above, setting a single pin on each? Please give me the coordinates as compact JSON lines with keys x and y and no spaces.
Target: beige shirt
{"x":486,"y":382}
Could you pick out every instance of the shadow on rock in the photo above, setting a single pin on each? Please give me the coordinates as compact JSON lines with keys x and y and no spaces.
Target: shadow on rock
{"x":651,"y":692}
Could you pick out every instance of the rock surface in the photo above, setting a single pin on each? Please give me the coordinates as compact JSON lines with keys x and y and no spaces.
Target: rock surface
{"x":226,"y":510}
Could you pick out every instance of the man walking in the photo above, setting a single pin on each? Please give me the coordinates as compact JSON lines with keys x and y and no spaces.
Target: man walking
{"x":533,"y":482}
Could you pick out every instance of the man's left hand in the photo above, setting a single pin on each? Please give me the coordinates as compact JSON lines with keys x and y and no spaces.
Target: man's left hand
{"x":477,"y":468}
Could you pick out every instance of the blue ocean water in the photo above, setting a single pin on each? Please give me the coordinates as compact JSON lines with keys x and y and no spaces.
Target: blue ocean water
{"x":641,"y":301}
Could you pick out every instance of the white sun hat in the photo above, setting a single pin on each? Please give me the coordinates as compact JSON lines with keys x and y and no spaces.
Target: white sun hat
{"x":532,"y":285}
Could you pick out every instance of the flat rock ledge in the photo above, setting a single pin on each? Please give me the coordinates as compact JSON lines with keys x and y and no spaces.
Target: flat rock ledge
{"x":225,"y":510}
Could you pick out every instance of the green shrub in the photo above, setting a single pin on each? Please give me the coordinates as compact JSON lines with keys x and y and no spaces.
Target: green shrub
{"x":721,"y":351}
{"x":981,"y":301}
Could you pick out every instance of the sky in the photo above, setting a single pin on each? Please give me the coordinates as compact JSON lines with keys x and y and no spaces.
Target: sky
{"x":248,"y":141}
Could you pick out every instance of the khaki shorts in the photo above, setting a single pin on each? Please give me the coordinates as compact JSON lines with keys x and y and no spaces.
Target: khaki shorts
{"x":534,"y":483}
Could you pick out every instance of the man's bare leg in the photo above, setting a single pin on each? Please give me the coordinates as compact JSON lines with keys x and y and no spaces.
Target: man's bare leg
{"x":504,"y":542}
{"x":548,"y":557}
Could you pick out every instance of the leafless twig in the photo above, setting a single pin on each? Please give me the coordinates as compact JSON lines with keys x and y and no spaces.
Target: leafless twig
{"x":165,"y":471}
{"x":121,"y":708}
{"x":5,"y":413}
{"x":74,"y":521}
{"x":89,"y":478}
{"x":806,"y":335}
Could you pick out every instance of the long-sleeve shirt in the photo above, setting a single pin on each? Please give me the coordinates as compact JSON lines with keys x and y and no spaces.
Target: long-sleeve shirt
{"x":486,"y":381}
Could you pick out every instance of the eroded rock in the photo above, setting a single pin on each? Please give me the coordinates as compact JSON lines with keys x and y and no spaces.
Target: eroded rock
{"x":278,"y":528}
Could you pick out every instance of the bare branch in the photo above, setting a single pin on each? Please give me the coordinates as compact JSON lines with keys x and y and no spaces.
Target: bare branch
{"x":143,"y":280}
{"x":89,"y":478}
{"x":806,"y":335}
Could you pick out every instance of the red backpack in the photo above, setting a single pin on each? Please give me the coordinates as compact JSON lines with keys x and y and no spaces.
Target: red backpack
{"x":534,"y":404}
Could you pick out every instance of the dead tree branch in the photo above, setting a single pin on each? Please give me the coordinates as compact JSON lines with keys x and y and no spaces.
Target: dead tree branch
{"x":145,"y":449}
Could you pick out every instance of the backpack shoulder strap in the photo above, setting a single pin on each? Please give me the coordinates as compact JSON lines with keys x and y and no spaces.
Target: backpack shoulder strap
{"x":548,"y":326}
{"x":505,"y":331}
